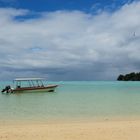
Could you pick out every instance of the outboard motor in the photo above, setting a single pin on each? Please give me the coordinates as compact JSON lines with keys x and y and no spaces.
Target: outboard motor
{"x":7,"y":89}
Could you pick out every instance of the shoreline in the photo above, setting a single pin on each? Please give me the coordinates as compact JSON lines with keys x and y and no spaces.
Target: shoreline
{"x":71,"y":130}
{"x":70,"y":119}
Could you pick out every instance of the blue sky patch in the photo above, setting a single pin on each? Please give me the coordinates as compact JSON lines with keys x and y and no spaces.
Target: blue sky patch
{"x":54,"y":5}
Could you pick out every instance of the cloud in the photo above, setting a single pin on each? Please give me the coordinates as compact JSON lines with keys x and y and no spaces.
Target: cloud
{"x":70,"y":45}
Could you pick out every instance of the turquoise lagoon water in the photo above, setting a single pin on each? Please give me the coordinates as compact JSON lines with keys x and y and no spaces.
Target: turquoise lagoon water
{"x":74,"y":100}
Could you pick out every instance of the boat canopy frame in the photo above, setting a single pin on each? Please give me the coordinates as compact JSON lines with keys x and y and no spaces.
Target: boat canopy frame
{"x":32,"y":82}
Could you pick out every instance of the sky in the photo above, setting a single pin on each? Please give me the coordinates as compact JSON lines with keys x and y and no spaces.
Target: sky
{"x":69,"y":39}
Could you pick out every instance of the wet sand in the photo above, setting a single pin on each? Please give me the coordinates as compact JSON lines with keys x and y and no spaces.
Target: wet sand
{"x":89,"y":130}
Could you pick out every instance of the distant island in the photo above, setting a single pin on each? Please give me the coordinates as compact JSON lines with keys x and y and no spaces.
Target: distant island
{"x":129,"y":77}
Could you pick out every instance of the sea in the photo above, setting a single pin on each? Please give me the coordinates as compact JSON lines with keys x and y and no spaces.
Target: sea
{"x":73,"y":100}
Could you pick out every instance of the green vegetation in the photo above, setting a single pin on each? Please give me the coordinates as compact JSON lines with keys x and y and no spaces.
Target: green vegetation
{"x":129,"y":77}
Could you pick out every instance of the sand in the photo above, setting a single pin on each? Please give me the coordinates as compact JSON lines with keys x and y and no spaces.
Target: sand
{"x":89,"y":130}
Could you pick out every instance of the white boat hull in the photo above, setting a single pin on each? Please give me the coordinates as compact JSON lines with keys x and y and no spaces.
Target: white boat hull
{"x":34,"y":85}
{"x":50,"y":88}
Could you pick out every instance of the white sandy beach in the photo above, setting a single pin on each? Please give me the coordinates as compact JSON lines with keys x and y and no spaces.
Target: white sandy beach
{"x":92,"y":130}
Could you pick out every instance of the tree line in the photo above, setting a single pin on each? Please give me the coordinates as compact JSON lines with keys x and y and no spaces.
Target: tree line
{"x":129,"y":77}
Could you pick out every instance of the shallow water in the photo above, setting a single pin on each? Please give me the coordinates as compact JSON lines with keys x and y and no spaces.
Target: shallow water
{"x":73,"y":100}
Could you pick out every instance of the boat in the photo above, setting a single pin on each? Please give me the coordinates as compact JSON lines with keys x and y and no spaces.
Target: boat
{"x":29,"y":85}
